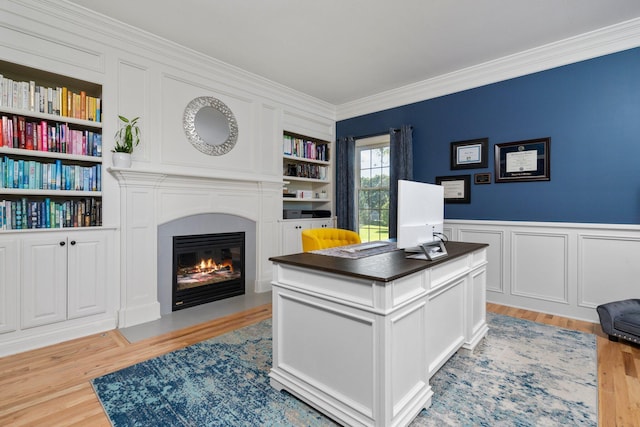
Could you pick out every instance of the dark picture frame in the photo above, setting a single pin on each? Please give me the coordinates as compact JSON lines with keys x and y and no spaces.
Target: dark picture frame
{"x":482,"y":178}
{"x":519,"y":161}
{"x":457,"y":188}
{"x":471,"y":154}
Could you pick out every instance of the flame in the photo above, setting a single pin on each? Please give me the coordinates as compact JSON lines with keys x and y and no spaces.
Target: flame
{"x":210,"y":265}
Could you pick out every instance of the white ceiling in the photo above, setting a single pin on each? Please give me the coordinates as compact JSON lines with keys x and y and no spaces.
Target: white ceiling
{"x":344,"y":50}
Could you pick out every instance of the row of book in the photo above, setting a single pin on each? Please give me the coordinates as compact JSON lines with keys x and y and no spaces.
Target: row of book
{"x":299,"y":147}
{"x":59,"y":101}
{"x":305,"y":170}
{"x":35,"y":175}
{"x":19,"y":132}
{"x":26,"y":214}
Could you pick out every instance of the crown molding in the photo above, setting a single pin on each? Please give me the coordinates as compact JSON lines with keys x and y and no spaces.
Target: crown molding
{"x":615,"y":38}
{"x":120,"y":37}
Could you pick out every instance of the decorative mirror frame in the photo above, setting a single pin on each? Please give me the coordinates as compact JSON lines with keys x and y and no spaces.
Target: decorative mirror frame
{"x":189,"y":125}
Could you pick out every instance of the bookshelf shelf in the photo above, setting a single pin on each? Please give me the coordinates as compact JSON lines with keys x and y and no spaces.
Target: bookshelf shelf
{"x":49,"y":193}
{"x":288,"y":179}
{"x":307,"y":200}
{"x":49,"y":155}
{"x":90,"y":124}
{"x":304,"y":160}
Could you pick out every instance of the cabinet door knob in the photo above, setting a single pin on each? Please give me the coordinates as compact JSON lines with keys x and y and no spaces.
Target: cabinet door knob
{"x":62,"y":243}
{"x":73,"y":242}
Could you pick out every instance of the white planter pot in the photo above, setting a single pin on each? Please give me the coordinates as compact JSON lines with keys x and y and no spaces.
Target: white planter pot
{"x":121,"y":160}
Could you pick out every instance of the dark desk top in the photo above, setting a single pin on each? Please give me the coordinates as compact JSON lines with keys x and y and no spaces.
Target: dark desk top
{"x":385,"y":267}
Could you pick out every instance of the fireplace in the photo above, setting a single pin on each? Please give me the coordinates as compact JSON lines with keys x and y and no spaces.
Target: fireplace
{"x":207,"y":267}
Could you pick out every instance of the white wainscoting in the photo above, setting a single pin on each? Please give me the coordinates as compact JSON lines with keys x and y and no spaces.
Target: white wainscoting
{"x":559,"y":268}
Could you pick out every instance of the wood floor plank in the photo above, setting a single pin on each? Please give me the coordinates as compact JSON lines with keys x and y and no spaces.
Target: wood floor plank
{"x":51,"y":386}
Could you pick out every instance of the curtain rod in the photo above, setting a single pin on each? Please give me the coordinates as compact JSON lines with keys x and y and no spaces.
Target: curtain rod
{"x":371,"y":135}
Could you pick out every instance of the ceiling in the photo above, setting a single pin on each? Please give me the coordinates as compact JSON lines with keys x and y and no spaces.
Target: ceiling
{"x":344,"y":50}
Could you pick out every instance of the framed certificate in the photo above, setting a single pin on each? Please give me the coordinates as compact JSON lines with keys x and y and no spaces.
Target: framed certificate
{"x":523,"y":160}
{"x":456,"y":188}
{"x":482,"y":178}
{"x":470,"y":154}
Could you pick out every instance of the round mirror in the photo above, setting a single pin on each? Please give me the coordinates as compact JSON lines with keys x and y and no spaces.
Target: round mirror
{"x":210,"y":126}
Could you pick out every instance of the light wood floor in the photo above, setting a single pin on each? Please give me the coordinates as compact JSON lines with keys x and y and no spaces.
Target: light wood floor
{"x":50,"y":386}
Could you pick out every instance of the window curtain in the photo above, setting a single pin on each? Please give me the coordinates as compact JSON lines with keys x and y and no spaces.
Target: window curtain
{"x":401,"y":157}
{"x":345,"y":183}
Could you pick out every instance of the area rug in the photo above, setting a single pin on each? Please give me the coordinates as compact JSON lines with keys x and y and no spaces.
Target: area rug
{"x":522,"y":374}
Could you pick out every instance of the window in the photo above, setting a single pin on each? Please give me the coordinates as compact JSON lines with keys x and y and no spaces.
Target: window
{"x":372,"y":187}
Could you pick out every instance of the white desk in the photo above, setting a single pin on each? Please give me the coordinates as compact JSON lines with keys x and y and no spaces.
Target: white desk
{"x":359,"y":339}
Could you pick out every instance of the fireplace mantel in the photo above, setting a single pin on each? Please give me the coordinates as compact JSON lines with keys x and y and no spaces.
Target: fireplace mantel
{"x":131,"y":176}
{"x":149,"y":198}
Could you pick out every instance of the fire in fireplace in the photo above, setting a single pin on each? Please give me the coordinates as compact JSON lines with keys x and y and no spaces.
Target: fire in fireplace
{"x":207,"y":267}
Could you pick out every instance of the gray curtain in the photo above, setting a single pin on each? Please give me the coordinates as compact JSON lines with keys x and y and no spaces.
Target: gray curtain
{"x":401,"y":153}
{"x":345,"y":183}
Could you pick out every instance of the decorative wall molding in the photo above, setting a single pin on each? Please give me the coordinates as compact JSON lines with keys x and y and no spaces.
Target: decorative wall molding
{"x":565,"y":269}
{"x":615,"y":38}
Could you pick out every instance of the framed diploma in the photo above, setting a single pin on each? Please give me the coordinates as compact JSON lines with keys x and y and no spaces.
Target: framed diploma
{"x":470,"y":154}
{"x":457,"y":189}
{"x":523,"y":161}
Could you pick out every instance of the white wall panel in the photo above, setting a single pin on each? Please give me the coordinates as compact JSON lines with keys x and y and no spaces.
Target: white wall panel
{"x":133,"y":101}
{"x":539,"y":266}
{"x":50,"y":46}
{"x":308,"y":125}
{"x":269,"y":141}
{"x":495,"y":253}
{"x":609,"y":266}
{"x":176,"y":149}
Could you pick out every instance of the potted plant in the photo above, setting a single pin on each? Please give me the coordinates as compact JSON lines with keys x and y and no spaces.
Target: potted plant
{"x":127,"y":137}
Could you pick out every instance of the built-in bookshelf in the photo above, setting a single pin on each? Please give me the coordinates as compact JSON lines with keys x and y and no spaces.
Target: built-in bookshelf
{"x":307,"y":189}
{"x":306,"y":170}
{"x":50,"y":150}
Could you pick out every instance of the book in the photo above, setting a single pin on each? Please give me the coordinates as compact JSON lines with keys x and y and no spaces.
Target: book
{"x":3,"y":132}
{"x":15,"y":138}
{"x":64,"y":102}
{"x":83,"y":105}
{"x":29,"y":136}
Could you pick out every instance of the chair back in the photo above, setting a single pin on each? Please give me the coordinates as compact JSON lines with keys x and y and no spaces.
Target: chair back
{"x":323,"y":238}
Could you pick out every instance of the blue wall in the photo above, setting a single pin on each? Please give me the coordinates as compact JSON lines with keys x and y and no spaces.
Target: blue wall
{"x":591,"y":112}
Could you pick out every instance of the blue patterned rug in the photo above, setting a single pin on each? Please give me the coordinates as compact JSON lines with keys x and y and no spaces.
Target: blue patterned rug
{"x":522,"y":374}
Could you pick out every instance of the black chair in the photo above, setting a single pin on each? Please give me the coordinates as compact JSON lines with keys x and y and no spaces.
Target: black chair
{"x":621,"y":319}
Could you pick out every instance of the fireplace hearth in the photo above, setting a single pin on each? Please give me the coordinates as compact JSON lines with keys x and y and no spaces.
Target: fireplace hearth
{"x":207,"y":267}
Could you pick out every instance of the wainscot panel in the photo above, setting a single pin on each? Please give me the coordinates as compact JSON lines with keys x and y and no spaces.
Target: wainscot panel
{"x":565,"y":269}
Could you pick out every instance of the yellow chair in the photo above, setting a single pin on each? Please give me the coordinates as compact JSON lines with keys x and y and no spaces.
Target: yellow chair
{"x":322,"y":238}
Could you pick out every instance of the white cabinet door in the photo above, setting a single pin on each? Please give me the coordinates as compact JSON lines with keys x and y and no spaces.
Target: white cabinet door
{"x":87,"y":291}
{"x":44,"y":280}
{"x":291,"y":240}
{"x":8,"y":284}
{"x":322,"y":223}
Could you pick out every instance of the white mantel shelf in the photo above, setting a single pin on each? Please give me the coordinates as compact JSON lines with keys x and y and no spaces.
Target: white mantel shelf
{"x":157,"y":175}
